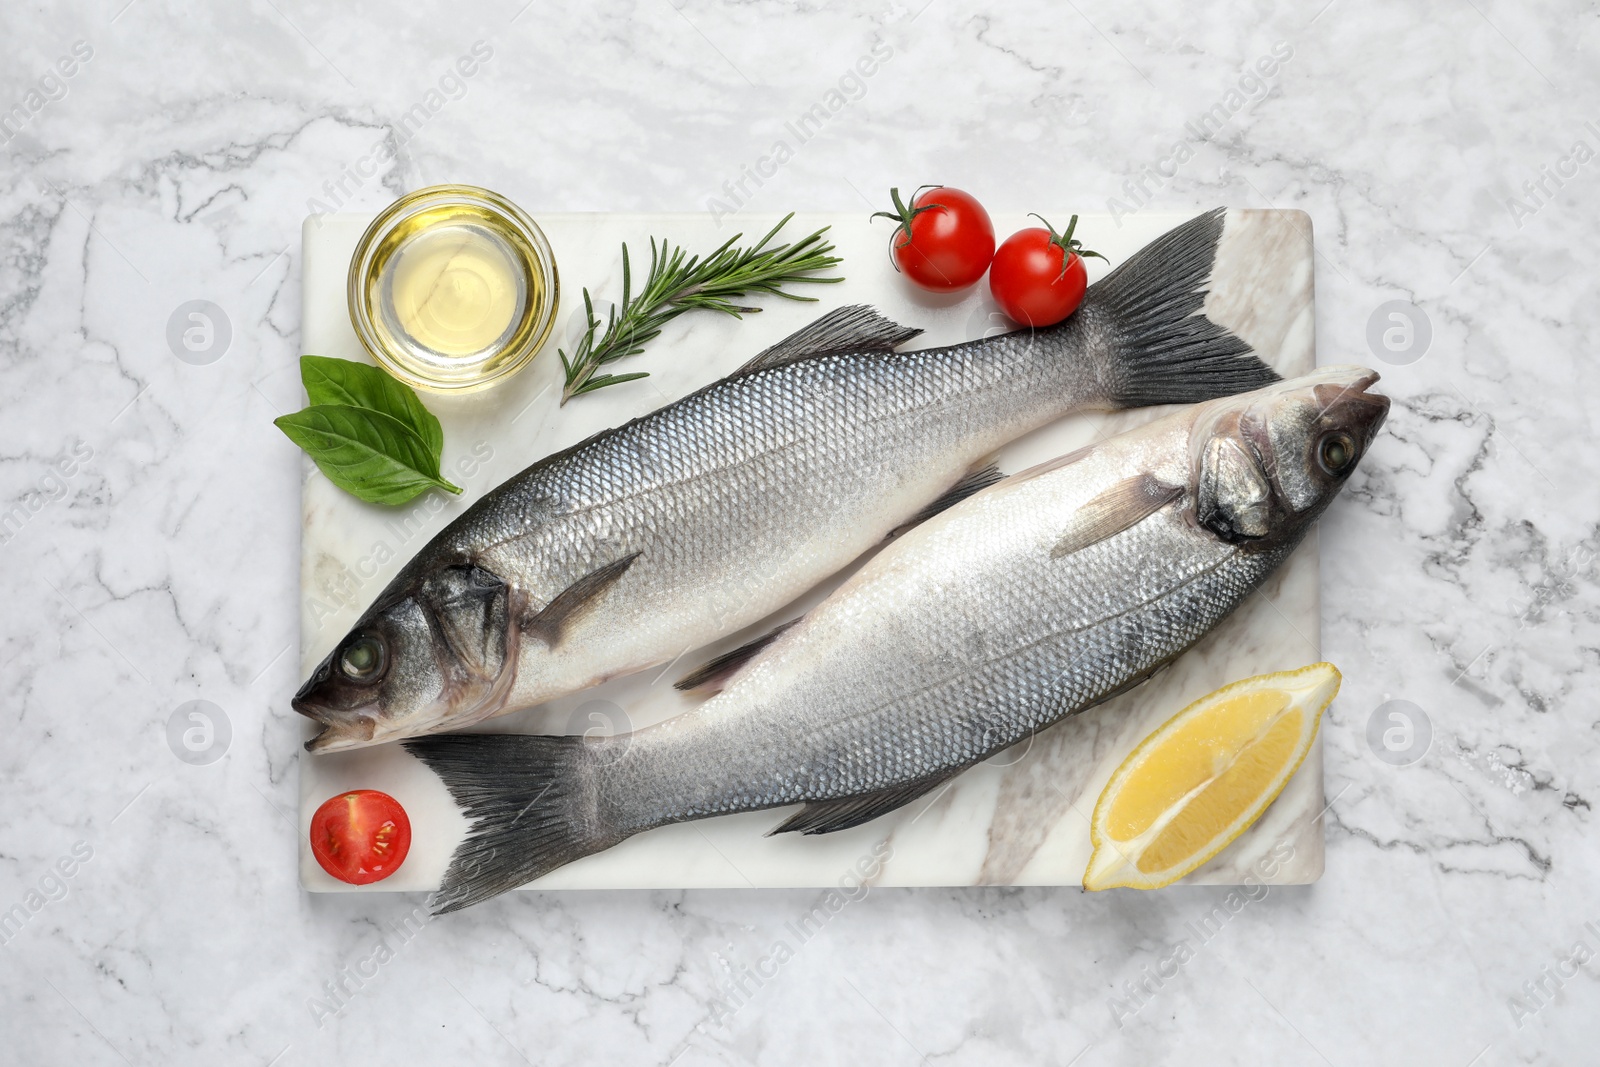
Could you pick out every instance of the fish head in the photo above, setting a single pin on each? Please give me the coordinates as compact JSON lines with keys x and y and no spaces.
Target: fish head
{"x":1267,"y":463}
{"x":434,"y":653}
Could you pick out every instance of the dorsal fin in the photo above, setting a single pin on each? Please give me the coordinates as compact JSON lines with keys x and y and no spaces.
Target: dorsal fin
{"x":856,"y":328}
{"x":828,"y":816}
{"x":973,"y":481}
{"x":1125,"y":504}
{"x":713,"y":676}
{"x":552,"y":619}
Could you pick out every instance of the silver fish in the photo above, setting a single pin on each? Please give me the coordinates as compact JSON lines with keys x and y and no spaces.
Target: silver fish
{"x":711,"y":513}
{"x":1046,"y":594}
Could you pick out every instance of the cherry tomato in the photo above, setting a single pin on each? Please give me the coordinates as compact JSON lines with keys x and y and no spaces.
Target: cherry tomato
{"x":944,"y":241}
{"x":1038,"y":276}
{"x":361,"y":836}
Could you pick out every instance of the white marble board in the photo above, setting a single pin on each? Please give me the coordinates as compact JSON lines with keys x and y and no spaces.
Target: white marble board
{"x":1021,"y":818}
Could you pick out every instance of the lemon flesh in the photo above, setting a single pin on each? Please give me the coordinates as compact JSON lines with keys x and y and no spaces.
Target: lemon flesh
{"x":1204,"y":777}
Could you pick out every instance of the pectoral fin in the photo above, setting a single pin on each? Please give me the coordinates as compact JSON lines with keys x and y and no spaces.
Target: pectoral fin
{"x":857,"y":328}
{"x":578,"y":597}
{"x":829,"y":816}
{"x":714,"y":675}
{"x":972,"y":482}
{"x":1124,"y":505}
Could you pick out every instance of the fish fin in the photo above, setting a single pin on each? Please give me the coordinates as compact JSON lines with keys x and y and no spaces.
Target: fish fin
{"x":1165,"y":351}
{"x":856,"y":328}
{"x":524,"y":794}
{"x":469,"y":605}
{"x":714,"y":675}
{"x":972,"y":482}
{"x":1054,"y":464}
{"x":1125,"y":504}
{"x":829,"y":816}
{"x":553,"y":618}
{"x":1129,"y":686}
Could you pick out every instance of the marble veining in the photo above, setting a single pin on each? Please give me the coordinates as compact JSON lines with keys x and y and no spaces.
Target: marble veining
{"x":155,"y":556}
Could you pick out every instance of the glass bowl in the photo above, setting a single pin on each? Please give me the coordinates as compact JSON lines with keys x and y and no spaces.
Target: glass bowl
{"x":453,"y":288}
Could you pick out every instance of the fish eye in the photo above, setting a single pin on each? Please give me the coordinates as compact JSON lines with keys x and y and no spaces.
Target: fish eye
{"x":363,"y":659}
{"x":1336,"y":452}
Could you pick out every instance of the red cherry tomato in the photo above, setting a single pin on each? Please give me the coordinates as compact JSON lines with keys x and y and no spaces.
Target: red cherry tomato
{"x":1038,"y":277}
{"x":944,"y":241}
{"x":361,"y":837}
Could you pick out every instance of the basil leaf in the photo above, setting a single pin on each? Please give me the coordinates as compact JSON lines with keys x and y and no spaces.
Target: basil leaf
{"x":357,"y":385}
{"x":366,"y":453}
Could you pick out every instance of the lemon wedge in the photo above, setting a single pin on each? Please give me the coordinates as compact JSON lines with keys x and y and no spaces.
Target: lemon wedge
{"x":1200,"y":780}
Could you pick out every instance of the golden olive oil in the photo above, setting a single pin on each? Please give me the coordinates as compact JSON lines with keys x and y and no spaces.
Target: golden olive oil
{"x":452,"y":288}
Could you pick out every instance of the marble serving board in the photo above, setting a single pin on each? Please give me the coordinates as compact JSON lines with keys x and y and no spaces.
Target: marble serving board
{"x":1019,"y":819}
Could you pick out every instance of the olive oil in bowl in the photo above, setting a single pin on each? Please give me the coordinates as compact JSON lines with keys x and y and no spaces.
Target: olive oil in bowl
{"x":452,"y":288}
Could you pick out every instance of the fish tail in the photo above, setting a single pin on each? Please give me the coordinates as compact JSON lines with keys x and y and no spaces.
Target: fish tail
{"x":1164,"y":350}
{"x":531,"y":808}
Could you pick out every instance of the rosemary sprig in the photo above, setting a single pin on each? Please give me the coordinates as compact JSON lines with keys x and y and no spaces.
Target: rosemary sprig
{"x":678,"y":283}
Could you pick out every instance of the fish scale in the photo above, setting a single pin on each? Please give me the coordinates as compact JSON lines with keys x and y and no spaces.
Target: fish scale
{"x":1010,"y":682}
{"x":1039,"y":597}
{"x":648,"y":540}
{"x":702,"y":475}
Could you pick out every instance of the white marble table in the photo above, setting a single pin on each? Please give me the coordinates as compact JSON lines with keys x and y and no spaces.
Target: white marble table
{"x":149,"y":905}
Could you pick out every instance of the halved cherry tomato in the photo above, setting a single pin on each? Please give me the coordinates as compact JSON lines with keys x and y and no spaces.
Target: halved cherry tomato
{"x":944,"y":241}
{"x":1038,"y":277}
{"x":360,"y":837}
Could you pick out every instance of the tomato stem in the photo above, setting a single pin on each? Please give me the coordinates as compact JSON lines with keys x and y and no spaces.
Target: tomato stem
{"x":1067,"y":243}
{"x":903,"y":214}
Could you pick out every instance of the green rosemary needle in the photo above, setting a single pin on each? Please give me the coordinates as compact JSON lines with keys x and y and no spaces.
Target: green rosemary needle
{"x":678,"y":283}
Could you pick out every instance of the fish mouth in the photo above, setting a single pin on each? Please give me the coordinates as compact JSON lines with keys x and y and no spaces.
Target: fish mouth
{"x":341,"y":728}
{"x":1345,"y":379}
{"x":1341,"y":393}
{"x":302,"y":702}
{"x":1346,"y":400}
{"x":341,"y":734}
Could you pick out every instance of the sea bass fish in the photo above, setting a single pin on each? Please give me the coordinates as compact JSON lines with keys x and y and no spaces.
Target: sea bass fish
{"x":703,"y":517}
{"x":1046,"y":594}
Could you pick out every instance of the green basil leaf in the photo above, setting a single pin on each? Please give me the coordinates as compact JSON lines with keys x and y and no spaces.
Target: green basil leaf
{"x":364,"y":452}
{"x":357,"y":385}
